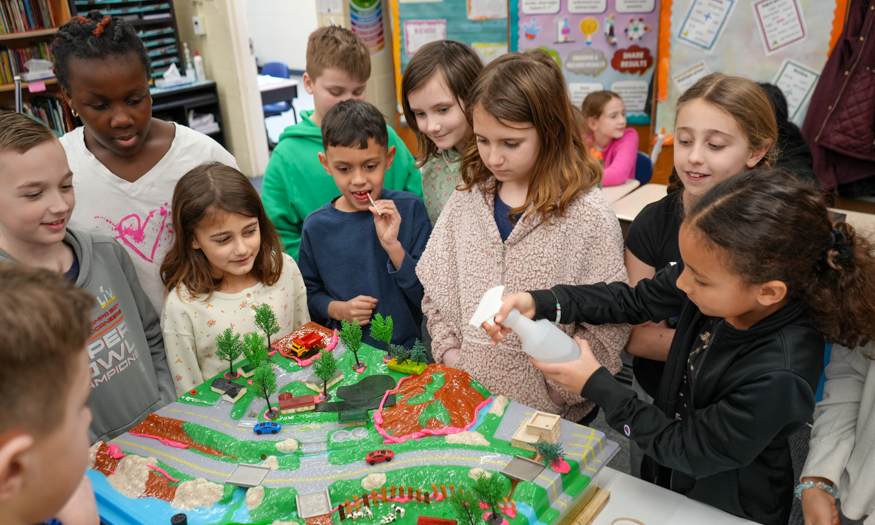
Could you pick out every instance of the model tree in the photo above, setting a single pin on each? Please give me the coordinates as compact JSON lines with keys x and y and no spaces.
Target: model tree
{"x":417,"y":353}
{"x":325,"y":368}
{"x":381,"y":329}
{"x":229,"y":346}
{"x":265,"y":320}
{"x":351,"y":337}
{"x":465,"y":507}
{"x":399,"y":353}
{"x":254,"y":349}
{"x":490,"y":490}
{"x":264,"y":382}
{"x":549,"y":453}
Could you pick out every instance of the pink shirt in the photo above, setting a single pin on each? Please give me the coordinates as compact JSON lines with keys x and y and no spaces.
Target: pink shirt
{"x":620,"y":158}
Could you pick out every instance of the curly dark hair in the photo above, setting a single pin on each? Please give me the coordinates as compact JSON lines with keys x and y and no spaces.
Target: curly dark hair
{"x":772,"y":226}
{"x":95,"y":36}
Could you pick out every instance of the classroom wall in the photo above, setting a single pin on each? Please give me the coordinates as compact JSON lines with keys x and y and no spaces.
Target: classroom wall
{"x":280,"y":29}
{"x":230,"y":62}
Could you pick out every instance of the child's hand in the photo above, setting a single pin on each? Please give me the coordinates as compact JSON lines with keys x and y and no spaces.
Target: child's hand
{"x":387,"y":226}
{"x":358,"y":309}
{"x":571,"y":376}
{"x":522,"y":301}
{"x":451,"y":357}
{"x":818,"y":507}
{"x":388,"y":223}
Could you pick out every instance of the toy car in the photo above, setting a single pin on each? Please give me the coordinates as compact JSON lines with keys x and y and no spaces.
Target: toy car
{"x":302,"y":345}
{"x":379,"y":456}
{"x":267,"y":427}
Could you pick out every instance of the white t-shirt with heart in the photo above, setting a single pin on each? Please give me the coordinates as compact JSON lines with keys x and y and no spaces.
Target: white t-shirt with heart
{"x":137,"y":214}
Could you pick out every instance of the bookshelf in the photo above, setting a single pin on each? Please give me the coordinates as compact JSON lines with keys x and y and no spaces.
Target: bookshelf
{"x":32,"y":28}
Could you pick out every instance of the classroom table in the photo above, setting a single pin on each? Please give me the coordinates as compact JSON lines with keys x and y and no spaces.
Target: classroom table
{"x":631,"y":205}
{"x":653,"y":505}
{"x":863,"y":222}
{"x":274,"y":89}
{"x":615,"y":193}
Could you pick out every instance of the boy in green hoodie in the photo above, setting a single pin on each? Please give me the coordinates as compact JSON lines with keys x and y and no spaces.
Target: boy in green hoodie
{"x":295,"y":183}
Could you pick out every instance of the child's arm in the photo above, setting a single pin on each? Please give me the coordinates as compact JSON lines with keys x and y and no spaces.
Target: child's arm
{"x":180,"y":346}
{"x":403,"y":259}
{"x":835,"y":422}
{"x":323,"y":307}
{"x":624,"y":161}
{"x":280,"y":204}
{"x":152,"y":328}
{"x":726,"y":435}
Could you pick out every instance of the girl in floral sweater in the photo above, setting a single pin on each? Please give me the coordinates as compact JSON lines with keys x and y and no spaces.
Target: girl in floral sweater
{"x":529,"y":213}
{"x":225,"y":260}
{"x":433,"y":91}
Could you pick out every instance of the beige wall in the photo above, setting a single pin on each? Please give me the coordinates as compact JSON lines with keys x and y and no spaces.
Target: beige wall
{"x":280,"y":29}
{"x":230,"y":62}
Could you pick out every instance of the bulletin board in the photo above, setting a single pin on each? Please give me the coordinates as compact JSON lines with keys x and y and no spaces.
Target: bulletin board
{"x":784,"y":42}
{"x":599,"y":44}
{"x":481,"y":24}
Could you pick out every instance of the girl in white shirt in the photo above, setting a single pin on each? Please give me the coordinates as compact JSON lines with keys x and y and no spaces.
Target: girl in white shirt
{"x":125,"y":162}
{"x":225,"y":260}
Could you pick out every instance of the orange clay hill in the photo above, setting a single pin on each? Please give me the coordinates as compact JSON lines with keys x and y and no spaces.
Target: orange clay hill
{"x":157,"y":486}
{"x":438,"y":398}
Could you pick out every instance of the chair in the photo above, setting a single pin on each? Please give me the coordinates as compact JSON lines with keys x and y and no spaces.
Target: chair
{"x":643,"y":168}
{"x":279,"y":70}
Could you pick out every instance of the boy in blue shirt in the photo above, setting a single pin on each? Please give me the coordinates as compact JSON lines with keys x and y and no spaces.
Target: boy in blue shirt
{"x":359,"y":252}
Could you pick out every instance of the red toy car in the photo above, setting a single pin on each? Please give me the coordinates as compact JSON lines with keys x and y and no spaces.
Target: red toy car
{"x":379,"y":456}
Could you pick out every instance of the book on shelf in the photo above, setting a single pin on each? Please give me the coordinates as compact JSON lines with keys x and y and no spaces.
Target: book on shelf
{"x":20,"y":16}
{"x":13,"y":59}
{"x":48,"y":109}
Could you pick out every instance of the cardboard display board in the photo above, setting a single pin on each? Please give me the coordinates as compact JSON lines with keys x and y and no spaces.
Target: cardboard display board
{"x":481,"y":24}
{"x":783,"y":42}
{"x":599,"y":44}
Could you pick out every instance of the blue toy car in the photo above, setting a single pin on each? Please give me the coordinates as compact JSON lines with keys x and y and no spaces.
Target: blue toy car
{"x":267,"y":427}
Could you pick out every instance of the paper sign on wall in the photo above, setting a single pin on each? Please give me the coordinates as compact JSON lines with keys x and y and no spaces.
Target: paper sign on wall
{"x":417,"y":33}
{"x":684,"y":80}
{"x":487,"y":9}
{"x":705,"y":22}
{"x":579,"y":90}
{"x":540,"y":7}
{"x":635,"y":6}
{"x":328,"y":6}
{"x":796,"y":82}
{"x":587,"y":6}
{"x":781,"y":24}
{"x":489,"y":52}
{"x":633,"y":93}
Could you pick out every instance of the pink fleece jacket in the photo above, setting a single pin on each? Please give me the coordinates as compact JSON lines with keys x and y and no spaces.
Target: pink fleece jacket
{"x":465,"y":257}
{"x":620,"y":157}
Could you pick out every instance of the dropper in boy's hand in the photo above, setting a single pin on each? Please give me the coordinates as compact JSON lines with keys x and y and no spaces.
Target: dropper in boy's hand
{"x":374,"y":204}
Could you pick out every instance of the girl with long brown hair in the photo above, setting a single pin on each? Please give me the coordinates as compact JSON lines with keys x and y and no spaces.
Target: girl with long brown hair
{"x":225,"y":260}
{"x":528,"y":214}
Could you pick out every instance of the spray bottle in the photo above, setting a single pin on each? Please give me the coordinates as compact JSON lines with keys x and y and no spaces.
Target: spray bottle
{"x":189,"y":66}
{"x":199,"y":66}
{"x":541,"y":339}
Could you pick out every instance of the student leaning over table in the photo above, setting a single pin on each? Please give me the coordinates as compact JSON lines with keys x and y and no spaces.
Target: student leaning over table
{"x":765,"y":277}
{"x":841,"y":454}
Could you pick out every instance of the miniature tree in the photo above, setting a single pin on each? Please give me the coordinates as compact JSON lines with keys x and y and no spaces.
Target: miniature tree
{"x":399,"y":353}
{"x":465,"y":507}
{"x":351,"y":337}
{"x":417,"y":353}
{"x":254,"y":349}
{"x":490,"y":489}
{"x":229,"y":346}
{"x":381,"y":329}
{"x":265,"y":383}
{"x":549,"y":452}
{"x":325,"y":368}
{"x":266,"y":320}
